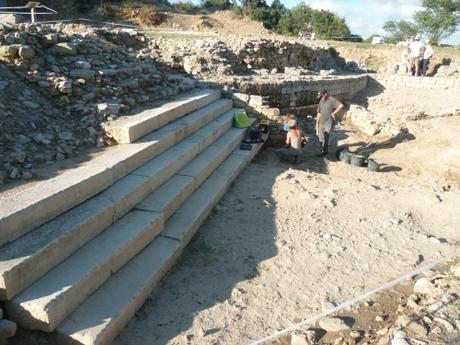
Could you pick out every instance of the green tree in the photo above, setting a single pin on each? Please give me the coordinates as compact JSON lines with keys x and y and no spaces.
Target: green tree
{"x":296,"y":20}
{"x":216,"y":4}
{"x":274,"y":14}
{"x":327,"y":25}
{"x":439,"y":18}
{"x":397,"y":31}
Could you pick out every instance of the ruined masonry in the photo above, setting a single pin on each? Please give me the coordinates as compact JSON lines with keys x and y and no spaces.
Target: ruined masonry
{"x":82,"y":251}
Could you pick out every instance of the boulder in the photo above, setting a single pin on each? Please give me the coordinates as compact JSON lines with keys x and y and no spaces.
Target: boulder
{"x":9,"y":52}
{"x":108,"y":108}
{"x":65,"y":86}
{"x":363,"y":119}
{"x":299,"y":339}
{"x":451,"y":70}
{"x":63,"y":49}
{"x":85,"y":74}
{"x":334,"y":324}
{"x":26,"y":52}
{"x":426,"y":287}
{"x":7,"y":329}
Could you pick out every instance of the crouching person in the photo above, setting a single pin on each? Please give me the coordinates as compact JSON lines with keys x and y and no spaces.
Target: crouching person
{"x":295,"y":140}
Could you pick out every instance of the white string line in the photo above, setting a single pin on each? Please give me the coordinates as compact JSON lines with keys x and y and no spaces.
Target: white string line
{"x":349,"y":303}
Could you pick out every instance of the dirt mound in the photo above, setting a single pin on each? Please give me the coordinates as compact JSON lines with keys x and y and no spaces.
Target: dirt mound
{"x":223,"y":22}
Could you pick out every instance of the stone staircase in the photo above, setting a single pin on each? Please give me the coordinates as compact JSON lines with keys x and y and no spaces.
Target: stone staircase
{"x":82,"y":251}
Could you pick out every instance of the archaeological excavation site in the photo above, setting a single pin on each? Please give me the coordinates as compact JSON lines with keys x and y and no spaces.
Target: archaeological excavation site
{"x":148,"y":194}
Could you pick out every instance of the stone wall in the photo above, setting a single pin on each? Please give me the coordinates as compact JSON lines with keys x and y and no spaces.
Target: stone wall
{"x":294,"y":96}
{"x":402,"y":81}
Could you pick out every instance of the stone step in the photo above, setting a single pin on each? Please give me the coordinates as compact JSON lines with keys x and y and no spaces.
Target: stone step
{"x":104,"y":314}
{"x":131,"y":128}
{"x":45,"y":303}
{"x":45,"y":200}
{"x":29,"y":257}
{"x":177,"y":189}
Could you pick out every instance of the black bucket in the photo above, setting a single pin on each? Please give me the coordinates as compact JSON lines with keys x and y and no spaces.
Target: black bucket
{"x":357,"y":160}
{"x":345,"y":157}
{"x":373,"y":165}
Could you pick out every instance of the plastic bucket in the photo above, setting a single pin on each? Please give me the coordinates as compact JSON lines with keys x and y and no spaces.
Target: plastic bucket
{"x":357,"y":160}
{"x":373,"y":165}
{"x":345,"y":157}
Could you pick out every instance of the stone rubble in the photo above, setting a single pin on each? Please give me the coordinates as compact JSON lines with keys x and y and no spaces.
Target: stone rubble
{"x":60,"y":83}
{"x":372,"y":123}
{"x":427,"y":315}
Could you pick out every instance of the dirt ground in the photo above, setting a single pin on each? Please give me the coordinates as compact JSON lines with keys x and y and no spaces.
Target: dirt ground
{"x":225,"y":22}
{"x":288,"y":241}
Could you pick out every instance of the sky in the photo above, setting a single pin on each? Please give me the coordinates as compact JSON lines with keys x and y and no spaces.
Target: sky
{"x":366,"y":17}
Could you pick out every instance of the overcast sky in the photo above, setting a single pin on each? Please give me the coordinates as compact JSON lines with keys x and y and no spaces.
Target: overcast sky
{"x":366,"y":17}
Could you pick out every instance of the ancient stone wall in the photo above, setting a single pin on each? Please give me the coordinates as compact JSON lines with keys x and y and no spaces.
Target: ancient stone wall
{"x":297,"y":96}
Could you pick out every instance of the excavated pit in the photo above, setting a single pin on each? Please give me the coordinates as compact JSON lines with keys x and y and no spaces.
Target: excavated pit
{"x":286,"y":242}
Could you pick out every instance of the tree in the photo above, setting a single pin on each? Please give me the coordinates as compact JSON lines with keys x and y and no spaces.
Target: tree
{"x":327,"y":25}
{"x":216,"y":4}
{"x":296,"y":20}
{"x":399,"y":30}
{"x":439,"y":18}
{"x":277,"y":10}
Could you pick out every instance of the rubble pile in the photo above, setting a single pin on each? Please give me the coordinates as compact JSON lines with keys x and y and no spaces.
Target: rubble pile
{"x":424,"y":311}
{"x":60,"y":83}
{"x":449,"y":71}
{"x":372,"y":123}
{"x":244,"y":55}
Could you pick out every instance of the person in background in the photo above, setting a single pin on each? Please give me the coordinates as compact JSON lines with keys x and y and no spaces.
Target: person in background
{"x":415,"y":50}
{"x":405,"y":60}
{"x":427,"y":56}
{"x":328,"y":108}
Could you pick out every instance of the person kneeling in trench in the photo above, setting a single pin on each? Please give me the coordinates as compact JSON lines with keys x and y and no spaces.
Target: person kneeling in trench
{"x":295,"y":140}
{"x":328,"y":108}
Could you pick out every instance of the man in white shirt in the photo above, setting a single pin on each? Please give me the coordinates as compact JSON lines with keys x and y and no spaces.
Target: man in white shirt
{"x":427,"y":56}
{"x":415,"y":55}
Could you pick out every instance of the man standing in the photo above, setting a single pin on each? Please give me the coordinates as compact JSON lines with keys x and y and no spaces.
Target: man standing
{"x":427,"y":56}
{"x":415,"y":50}
{"x":328,"y":107}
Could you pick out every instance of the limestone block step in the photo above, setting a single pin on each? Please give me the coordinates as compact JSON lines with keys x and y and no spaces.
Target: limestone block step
{"x":102,"y":316}
{"x":176,"y":190}
{"x":188,"y":218}
{"x":45,"y":303}
{"x":22,"y":212}
{"x":131,"y":128}
{"x":29,"y":257}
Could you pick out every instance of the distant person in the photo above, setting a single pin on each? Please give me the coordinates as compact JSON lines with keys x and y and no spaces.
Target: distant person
{"x":328,"y":108}
{"x":415,"y":56}
{"x":427,"y":56}
{"x":295,"y":140}
{"x":405,"y":60}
